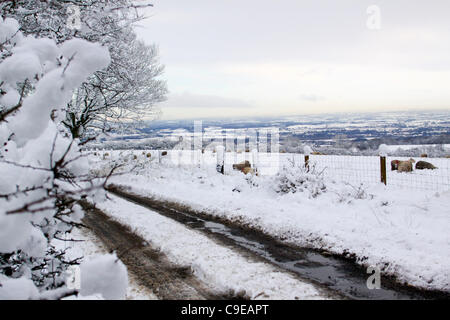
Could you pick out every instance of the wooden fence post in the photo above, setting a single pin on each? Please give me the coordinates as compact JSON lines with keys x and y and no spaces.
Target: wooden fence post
{"x":307,"y":162}
{"x":383,"y":169}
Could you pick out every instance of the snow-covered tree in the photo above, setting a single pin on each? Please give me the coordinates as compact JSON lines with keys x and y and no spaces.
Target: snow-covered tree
{"x":121,"y":95}
{"x":124,"y":92}
{"x":43,"y":174}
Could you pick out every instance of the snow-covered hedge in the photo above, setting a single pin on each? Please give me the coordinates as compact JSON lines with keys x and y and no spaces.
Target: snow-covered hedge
{"x":298,"y":178}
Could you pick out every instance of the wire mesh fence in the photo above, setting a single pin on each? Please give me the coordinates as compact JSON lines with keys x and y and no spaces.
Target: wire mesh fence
{"x":354,"y":170}
{"x":351,"y":169}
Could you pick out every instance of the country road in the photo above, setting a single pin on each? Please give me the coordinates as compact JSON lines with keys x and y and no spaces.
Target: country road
{"x":332,"y":277}
{"x":176,"y":262}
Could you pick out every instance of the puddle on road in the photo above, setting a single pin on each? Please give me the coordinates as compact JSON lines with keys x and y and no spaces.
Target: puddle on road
{"x":339,"y":275}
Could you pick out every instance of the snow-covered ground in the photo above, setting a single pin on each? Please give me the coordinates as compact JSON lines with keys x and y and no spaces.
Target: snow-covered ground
{"x":402,"y":231}
{"x":216,"y":265}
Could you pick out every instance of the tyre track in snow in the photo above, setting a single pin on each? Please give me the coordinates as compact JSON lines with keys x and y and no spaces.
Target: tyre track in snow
{"x":150,"y":267}
{"x":337,"y":277}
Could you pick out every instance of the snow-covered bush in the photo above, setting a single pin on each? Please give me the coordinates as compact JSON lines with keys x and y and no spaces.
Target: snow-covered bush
{"x":294,"y":178}
{"x":347,"y":193}
{"x":43,"y":174}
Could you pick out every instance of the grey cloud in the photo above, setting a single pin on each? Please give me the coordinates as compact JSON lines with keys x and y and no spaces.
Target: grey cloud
{"x":204,"y":31}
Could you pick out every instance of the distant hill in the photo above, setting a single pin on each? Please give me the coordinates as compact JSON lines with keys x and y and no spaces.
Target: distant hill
{"x":365,"y":131}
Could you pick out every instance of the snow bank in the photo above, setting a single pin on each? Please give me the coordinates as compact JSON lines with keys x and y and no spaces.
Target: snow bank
{"x":17,"y":289}
{"x":106,"y":275}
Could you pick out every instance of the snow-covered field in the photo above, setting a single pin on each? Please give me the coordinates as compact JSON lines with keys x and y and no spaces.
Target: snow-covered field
{"x":402,"y":231}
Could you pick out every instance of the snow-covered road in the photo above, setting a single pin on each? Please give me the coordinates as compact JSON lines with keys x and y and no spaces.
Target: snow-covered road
{"x":218,"y":266}
{"x":90,"y":246}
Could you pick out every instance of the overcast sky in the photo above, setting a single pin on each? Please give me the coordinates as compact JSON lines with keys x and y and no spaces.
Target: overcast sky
{"x":283,"y":57}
